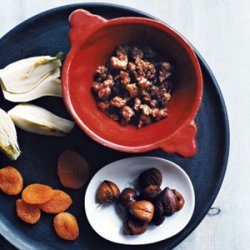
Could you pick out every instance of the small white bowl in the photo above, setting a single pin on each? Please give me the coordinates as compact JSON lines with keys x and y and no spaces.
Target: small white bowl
{"x":108,"y":224}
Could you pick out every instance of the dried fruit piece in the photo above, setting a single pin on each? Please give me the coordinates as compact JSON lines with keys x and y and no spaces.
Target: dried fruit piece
{"x":28,"y":212}
{"x":66,"y":226}
{"x":37,"y":194}
{"x":59,"y":203}
{"x":73,"y":170}
{"x":11,"y":181}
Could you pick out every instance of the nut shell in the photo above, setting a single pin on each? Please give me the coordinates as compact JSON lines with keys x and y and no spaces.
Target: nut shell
{"x":142,"y":210}
{"x":134,"y":227}
{"x":107,"y":192}
{"x":150,"y":193}
{"x":165,"y":203}
{"x":151,"y":176}
{"x":127,"y":197}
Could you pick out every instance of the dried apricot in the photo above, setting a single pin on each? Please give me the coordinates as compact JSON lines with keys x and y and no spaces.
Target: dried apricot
{"x":37,"y":194}
{"x":66,"y":226}
{"x":11,"y":181}
{"x":73,"y":170}
{"x":28,"y":212}
{"x":59,"y":202}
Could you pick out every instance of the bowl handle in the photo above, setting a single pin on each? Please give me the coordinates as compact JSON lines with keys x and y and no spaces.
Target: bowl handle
{"x":183,"y":141}
{"x":82,"y":23}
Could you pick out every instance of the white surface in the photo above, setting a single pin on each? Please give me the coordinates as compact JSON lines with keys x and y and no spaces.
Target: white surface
{"x":220,"y":30}
{"x":122,"y":173}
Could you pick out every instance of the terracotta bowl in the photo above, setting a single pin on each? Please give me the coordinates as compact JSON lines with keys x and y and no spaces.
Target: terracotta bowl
{"x":93,"y":39}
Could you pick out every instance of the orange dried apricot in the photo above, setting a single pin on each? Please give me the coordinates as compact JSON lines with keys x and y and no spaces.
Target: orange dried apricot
{"x":59,"y":202}
{"x":11,"y":181}
{"x":28,"y":212}
{"x":73,"y":170}
{"x":37,"y":194}
{"x":66,"y":226}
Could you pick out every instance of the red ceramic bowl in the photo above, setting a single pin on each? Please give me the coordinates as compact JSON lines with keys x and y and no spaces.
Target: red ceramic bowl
{"x":93,"y":39}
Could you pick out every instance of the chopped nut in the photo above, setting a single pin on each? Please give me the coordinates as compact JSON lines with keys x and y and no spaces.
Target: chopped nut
{"x":144,"y":120}
{"x":153,"y":103}
{"x":125,"y":78}
{"x":132,"y":89}
{"x":145,"y":96}
{"x":146,"y":110}
{"x":161,"y":114}
{"x":102,"y":72}
{"x":119,"y":64}
{"x":118,"y":102}
{"x":151,"y":71}
{"x":108,"y":83}
{"x":127,"y":113}
{"x":103,"y":105}
{"x":164,"y":97}
{"x":143,"y":82}
{"x":104,"y":93}
{"x":122,"y":51}
{"x":155,"y":112}
{"x":95,"y":86}
{"x":131,"y":66}
{"x":137,"y":104}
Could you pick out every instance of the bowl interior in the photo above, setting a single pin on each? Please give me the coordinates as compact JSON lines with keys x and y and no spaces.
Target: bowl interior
{"x":96,"y":50}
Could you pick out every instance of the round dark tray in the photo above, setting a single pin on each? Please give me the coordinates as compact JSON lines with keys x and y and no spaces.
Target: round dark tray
{"x":47,"y":33}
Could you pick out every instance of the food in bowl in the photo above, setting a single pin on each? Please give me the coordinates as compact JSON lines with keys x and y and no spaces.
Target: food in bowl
{"x":134,"y":86}
{"x":144,"y":204}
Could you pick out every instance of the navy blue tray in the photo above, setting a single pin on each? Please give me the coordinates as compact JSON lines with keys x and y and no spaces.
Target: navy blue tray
{"x":47,"y":33}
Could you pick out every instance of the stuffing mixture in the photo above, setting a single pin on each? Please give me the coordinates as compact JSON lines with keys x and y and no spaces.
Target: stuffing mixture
{"x":134,"y":87}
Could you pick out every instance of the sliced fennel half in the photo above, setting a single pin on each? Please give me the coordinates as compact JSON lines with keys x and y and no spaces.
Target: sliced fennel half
{"x":51,"y":86}
{"x":29,"y":78}
{"x":8,"y":137}
{"x":38,"y":120}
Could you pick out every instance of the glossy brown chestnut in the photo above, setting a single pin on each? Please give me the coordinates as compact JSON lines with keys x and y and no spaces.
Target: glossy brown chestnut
{"x":165,"y":203}
{"x":150,"y":193}
{"x":151,"y":176}
{"x":133,"y":226}
{"x":179,"y":200}
{"x":127,"y":197}
{"x":158,"y":220}
{"x":107,"y":192}
{"x":142,"y":210}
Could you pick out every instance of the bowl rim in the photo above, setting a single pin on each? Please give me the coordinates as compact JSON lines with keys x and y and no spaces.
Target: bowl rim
{"x":131,"y":20}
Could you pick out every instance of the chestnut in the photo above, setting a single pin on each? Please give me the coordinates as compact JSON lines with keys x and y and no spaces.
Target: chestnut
{"x":107,"y":192}
{"x":165,"y":203}
{"x":142,"y":210}
{"x":158,"y":219}
{"x":127,"y":197}
{"x":179,"y":200}
{"x":133,"y":226}
{"x":150,"y":193}
{"x":151,"y":176}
